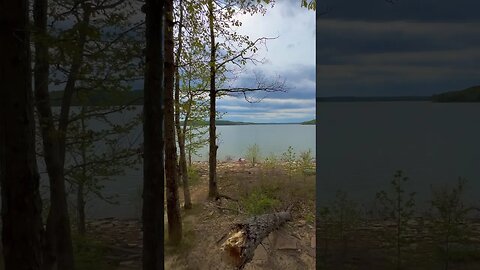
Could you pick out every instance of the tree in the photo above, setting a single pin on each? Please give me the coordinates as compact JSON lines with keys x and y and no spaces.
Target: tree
{"x":182,"y":162}
{"x":400,"y":210}
{"x":450,"y":222}
{"x":153,"y":166}
{"x":78,"y":43}
{"x":190,"y":78}
{"x":22,"y":227}
{"x":97,"y":154}
{"x":173,"y":206}
{"x":221,"y":21}
{"x":212,"y":152}
{"x":290,"y":162}
{"x":253,"y":154}
{"x":58,"y":243}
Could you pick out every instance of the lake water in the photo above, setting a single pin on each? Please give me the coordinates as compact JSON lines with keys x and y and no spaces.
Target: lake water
{"x":361,"y":144}
{"x":233,"y":142}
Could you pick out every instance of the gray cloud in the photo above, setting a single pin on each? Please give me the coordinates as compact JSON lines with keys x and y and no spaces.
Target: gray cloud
{"x":397,"y":57}
{"x":412,"y":10}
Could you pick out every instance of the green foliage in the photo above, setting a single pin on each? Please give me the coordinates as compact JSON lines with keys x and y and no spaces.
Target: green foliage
{"x":270,"y":162}
{"x":310,"y":122}
{"x":193,"y":176}
{"x":471,"y":94}
{"x":89,"y":254}
{"x":305,"y":163}
{"x":325,"y":221}
{"x":340,"y":218}
{"x":397,"y":208}
{"x":311,"y":5}
{"x":289,"y":159}
{"x":253,"y":154}
{"x":449,"y":218}
{"x":97,"y":155}
{"x":260,"y":201}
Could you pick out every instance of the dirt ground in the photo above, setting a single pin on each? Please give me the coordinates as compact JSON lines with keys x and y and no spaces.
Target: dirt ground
{"x":291,"y":247}
{"x":365,"y":250}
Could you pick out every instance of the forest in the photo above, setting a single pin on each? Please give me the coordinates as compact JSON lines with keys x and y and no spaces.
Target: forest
{"x":60,"y":59}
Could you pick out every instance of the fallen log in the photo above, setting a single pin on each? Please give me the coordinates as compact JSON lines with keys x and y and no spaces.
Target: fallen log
{"x":244,"y":238}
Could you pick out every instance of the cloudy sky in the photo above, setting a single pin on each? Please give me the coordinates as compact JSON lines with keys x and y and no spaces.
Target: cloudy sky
{"x":291,"y":56}
{"x":410,"y":47}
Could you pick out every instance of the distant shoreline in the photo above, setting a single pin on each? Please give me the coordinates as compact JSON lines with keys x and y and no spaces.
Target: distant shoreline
{"x":373,"y":99}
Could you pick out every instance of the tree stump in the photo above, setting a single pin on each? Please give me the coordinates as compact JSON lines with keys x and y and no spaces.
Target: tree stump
{"x":243,"y":238}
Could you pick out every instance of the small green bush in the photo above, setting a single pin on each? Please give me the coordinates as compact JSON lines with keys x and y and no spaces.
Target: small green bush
{"x":193,"y":176}
{"x":260,"y":201}
{"x":270,"y":162}
{"x":253,"y":154}
{"x":305,"y":163}
{"x":290,"y":161}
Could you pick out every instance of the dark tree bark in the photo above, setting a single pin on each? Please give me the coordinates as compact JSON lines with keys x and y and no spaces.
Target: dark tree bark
{"x":173,"y":205}
{"x":58,"y":246}
{"x":22,"y":227}
{"x":81,"y":186}
{"x":81,"y":209}
{"x":245,"y":237}
{"x":180,"y":133}
{"x":153,"y":167}
{"x":212,"y":153}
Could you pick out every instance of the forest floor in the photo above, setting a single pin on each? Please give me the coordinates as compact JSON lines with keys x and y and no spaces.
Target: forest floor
{"x":365,"y":248}
{"x":254,"y":190}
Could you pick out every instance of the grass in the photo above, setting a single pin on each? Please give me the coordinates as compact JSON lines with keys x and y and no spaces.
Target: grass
{"x":90,"y":254}
{"x":188,"y":240}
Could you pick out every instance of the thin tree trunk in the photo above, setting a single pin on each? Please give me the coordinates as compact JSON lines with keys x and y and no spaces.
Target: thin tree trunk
{"x":58,"y":245}
{"x":212,"y":153}
{"x":180,"y":134}
{"x":81,"y":209}
{"x":81,"y":184}
{"x":22,"y":227}
{"x":153,"y":167}
{"x":173,"y":204}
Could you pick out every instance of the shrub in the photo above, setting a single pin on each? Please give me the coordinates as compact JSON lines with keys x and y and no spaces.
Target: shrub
{"x":193,"y":176}
{"x":253,"y":154}
{"x":449,"y":218}
{"x":260,"y":201}
{"x":305,"y":163}
{"x":399,"y":209}
{"x":289,"y":159}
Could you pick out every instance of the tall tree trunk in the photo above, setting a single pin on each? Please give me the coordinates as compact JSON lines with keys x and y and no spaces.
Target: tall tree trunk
{"x":81,"y":184}
{"x":173,"y":204}
{"x":180,"y":134}
{"x":81,"y":209}
{"x":58,"y":247}
{"x":22,"y":227}
{"x":212,"y":153}
{"x":153,"y":167}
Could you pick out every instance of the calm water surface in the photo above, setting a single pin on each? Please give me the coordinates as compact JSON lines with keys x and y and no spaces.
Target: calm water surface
{"x":361,"y":144}
{"x":233,"y":142}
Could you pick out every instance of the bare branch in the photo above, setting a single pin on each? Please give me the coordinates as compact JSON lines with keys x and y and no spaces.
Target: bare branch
{"x":241,"y":53}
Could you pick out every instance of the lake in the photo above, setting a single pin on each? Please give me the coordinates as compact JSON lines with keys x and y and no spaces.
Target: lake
{"x":233,"y":142}
{"x":361,"y":144}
